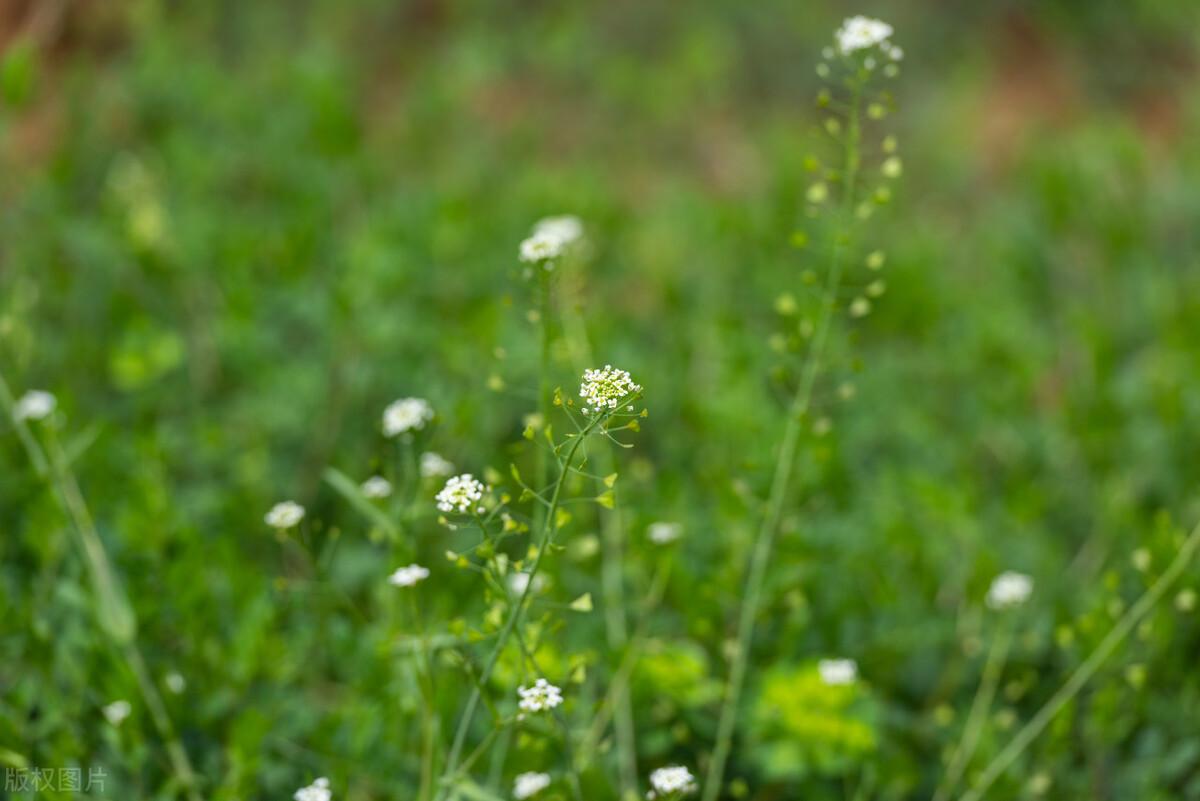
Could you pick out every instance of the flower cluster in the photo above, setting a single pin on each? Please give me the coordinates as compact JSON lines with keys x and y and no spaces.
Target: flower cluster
{"x":859,"y":33}
{"x":36,"y":404}
{"x":461,"y":494}
{"x":605,"y":389}
{"x":661,"y":533}
{"x":527,"y":784}
{"x":408,"y":576}
{"x":376,"y":487}
{"x":116,"y":712}
{"x":838,"y":672}
{"x":550,"y":239}
{"x":317,"y":791}
{"x":1009,"y":589}
{"x":284,"y":515}
{"x":434,"y":466}
{"x":542,"y":695}
{"x":406,"y":414}
{"x":674,"y":780}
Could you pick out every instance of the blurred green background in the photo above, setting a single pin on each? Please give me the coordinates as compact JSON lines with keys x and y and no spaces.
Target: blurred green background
{"x":232,"y":232}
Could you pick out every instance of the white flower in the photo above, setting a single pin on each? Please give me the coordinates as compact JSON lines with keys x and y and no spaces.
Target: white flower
{"x":116,"y":712}
{"x":542,"y":695}
{"x":542,"y":247}
{"x":837,"y":672}
{"x":36,"y":404}
{"x":376,"y":487}
{"x":284,"y":515}
{"x":671,"y":780}
{"x":1009,"y":589}
{"x":566,"y":228}
{"x":527,"y":784}
{"x":605,"y":389}
{"x":517,"y":582}
{"x":317,"y":791}
{"x":861,"y":32}
{"x":434,"y":466}
{"x":408,"y":576}
{"x":406,"y":414}
{"x":175,"y":682}
{"x":461,"y":494}
{"x":661,"y":533}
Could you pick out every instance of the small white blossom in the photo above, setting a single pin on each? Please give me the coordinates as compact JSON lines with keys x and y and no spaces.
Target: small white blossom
{"x":542,"y":247}
{"x":116,"y":712}
{"x":36,"y":404}
{"x":671,"y":781}
{"x":317,"y":791}
{"x":838,"y":672}
{"x":408,"y":576}
{"x":1009,"y":589}
{"x":605,"y":389}
{"x":461,"y":494}
{"x":434,"y":466}
{"x":284,"y":515}
{"x":859,"y":32}
{"x":527,"y":784}
{"x":376,"y":487}
{"x":406,"y":414}
{"x":542,"y":695}
{"x":662,"y":533}
{"x":517,"y":582}
{"x":566,"y":228}
{"x":175,"y":682}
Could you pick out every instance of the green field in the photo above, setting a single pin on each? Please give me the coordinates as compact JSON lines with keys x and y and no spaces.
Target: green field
{"x":895,"y":335}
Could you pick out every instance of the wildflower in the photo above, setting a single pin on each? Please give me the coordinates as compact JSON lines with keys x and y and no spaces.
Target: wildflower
{"x":605,"y":389}
{"x":860,"y":307}
{"x":542,"y":695}
{"x":1009,"y":589}
{"x":859,"y":33}
{"x":527,"y":784}
{"x":517,"y":582}
{"x":116,"y":712}
{"x":36,"y":404}
{"x":434,"y":466}
{"x":542,"y":247}
{"x":408,"y":576}
{"x":317,"y":791}
{"x":406,"y":414}
{"x":284,"y":515}
{"x":460,"y":494}
{"x":175,"y":682}
{"x":376,"y":487}
{"x":674,"y":780}
{"x":566,"y":228}
{"x":661,"y":533}
{"x":838,"y":672}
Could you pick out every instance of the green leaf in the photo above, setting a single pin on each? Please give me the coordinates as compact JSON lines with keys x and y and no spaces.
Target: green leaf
{"x":583,"y":603}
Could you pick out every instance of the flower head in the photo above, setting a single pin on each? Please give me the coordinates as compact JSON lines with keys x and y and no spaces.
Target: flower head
{"x":408,"y":576}
{"x":461,"y":494}
{"x":434,"y":466}
{"x":542,"y":247}
{"x":661,"y":533}
{"x":36,"y":404}
{"x":317,"y":791}
{"x":669,"y":781}
{"x":859,"y":33}
{"x":542,"y":695}
{"x":116,"y":712}
{"x":284,"y":515}
{"x":527,"y":784}
{"x":838,"y":672}
{"x":1009,"y":589}
{"x":517,"y":582}
{"x":566,"y":228}
{"x":406,"y":414}
{"x":605,"y":389}
{"x":376,"y":487}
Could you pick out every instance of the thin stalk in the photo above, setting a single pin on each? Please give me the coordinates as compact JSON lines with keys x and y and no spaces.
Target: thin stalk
{"x":548,"y":531}
{"x":976,"y":718}
{"x":1084,"y":673}
{"x":782,"y":479}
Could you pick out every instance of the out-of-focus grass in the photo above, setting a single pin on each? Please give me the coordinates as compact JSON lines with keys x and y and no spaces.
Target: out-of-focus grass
{"x":231,"y":234}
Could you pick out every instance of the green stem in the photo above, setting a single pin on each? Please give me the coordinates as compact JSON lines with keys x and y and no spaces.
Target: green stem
{"x":782,"y":479}
{"x":1087,"y":670}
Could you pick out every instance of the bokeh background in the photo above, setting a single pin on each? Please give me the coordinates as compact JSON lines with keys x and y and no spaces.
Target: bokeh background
{"x":232,"y":232}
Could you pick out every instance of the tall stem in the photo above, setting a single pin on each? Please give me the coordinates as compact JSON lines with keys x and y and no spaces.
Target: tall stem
{"x":781,"y":481}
